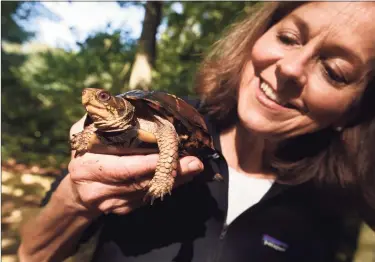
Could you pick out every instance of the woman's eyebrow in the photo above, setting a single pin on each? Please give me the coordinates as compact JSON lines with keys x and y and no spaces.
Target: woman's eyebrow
{"x":301,"y":24}
{"x":341,"y":49}
{"x":352,"y":55}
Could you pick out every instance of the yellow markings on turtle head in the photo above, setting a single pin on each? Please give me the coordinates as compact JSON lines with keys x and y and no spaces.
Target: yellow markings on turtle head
{"x":111,"y":110}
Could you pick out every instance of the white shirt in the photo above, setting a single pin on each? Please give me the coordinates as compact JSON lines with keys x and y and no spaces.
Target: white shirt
{"x":244,"y":191}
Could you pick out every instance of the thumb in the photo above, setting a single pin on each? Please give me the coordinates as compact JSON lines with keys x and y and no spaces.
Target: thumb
{"x":190,"y":165}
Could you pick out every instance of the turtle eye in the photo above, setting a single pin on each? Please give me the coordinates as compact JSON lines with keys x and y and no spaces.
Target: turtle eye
{"x":104,"y":96}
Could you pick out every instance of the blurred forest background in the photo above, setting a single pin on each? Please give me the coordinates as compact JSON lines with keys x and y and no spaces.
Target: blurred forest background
{"x":41,"y":89}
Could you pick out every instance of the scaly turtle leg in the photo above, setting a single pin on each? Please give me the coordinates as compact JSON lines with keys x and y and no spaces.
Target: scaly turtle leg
{"x":166,"y":168}
{"x":85,"y":140}
{"x":82,"y":141}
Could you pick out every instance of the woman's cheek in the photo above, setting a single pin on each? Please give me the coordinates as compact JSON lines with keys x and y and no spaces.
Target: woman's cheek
{"x":266,"y":52}
{"x":327,"y":107}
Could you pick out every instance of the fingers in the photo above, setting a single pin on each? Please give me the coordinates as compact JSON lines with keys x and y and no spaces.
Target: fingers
{"x":190,"y":165}
{"x":90,"y":193}
{"x":111,"y":169}
{"x":123,"y":210}
{"x":101,"y":177}
{"x":118,"y":169}
{"x":121,"y":205}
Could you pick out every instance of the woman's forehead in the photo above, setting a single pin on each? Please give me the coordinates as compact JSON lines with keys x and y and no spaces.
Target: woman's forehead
{"x":347,"y":24}
{"x":338,"y":17}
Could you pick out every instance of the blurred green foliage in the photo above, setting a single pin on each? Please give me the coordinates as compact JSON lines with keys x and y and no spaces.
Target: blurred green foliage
{"x":41,"y":87}
{"x":188,"y":36}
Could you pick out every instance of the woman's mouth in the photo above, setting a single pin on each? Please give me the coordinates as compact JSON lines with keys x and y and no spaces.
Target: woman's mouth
{"x":270,"y":93}
{"x":268,"y":97}
{"x":271,"y":99}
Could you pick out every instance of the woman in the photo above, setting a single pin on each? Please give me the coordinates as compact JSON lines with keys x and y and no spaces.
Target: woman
{"x":287,"y":97}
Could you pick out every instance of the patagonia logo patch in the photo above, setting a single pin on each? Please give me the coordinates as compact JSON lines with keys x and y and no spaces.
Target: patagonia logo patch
{"x":274,"y":243}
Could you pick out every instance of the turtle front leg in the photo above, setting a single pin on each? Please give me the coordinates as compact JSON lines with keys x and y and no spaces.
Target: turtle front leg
{"x":82,"y":141}
{"x":166,"y":167}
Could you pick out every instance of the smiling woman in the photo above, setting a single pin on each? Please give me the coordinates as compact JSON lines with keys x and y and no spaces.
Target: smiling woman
{"x":288,"y":97}
{"x":304,"y":81}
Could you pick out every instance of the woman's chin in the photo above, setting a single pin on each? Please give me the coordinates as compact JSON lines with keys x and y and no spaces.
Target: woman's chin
{"x":257,"y":124}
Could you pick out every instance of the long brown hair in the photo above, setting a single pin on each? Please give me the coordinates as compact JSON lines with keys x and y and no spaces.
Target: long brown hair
{"x":341,"y":159}
{"x":218,"y":79}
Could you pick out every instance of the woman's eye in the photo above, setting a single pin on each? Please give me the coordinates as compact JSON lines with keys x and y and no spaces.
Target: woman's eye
{"x":288,"y":39}
{"x":333,"y":75}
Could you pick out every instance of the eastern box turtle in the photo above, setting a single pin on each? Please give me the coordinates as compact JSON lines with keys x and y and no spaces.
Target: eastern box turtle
{"x":138,"y":118}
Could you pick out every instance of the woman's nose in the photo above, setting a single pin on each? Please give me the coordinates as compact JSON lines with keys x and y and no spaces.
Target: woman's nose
{"x":292,"y":68}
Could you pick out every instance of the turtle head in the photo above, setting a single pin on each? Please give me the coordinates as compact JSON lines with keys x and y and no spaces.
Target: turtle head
{"x":108,"y":112}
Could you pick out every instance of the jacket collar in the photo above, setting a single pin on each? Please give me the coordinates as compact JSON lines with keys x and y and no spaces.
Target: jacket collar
{"x":275,"y":190}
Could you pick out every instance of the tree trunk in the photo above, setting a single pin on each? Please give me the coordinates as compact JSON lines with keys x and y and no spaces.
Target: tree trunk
{"x":140,"y":77}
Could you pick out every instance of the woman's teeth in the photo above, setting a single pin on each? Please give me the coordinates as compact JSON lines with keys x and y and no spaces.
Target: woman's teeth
{"x":270,"y":93}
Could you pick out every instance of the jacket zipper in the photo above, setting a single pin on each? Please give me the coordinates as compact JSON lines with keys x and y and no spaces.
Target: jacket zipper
{"x":221,"y":242}
{"x":223,"y":232}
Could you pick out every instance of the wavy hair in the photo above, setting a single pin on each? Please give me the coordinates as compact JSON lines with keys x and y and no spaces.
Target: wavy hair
{"x":340,"y":159}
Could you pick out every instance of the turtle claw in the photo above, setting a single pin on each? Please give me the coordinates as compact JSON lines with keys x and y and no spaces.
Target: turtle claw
{"x":157,"y":190}
{"x":151,"y":199}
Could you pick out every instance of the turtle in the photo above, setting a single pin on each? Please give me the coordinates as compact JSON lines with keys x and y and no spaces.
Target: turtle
{"x":139,"y":118}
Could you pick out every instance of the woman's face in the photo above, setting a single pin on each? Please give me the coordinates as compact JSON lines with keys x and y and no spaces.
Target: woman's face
{"x":307,"y":70}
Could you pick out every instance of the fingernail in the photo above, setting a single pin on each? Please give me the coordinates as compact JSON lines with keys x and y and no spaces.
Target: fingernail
{"x":195,"y":165}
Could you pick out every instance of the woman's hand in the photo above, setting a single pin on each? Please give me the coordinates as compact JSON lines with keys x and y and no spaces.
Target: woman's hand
{"x":117,"y":184}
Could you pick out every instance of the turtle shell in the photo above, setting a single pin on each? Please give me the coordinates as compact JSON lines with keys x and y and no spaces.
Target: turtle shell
{"x":188,"y":122}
